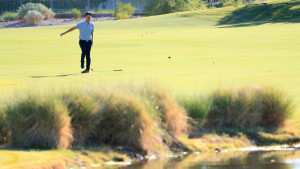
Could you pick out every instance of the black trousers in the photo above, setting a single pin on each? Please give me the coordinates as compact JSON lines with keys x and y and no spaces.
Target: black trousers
{"x":86,"y":52}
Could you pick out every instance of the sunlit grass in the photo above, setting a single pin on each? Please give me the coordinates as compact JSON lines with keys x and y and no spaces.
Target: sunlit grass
{"x":203,"y":56}
{"x":58,"y":158}
{"x":27,"y":159}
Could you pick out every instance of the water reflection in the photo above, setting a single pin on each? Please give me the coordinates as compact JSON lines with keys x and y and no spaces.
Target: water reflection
{"x":228,"y":160}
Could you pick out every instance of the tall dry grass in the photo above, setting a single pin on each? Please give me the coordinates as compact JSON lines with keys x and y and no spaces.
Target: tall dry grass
{"x":166,"y":119}
{"x":228,"y":109}
{"x":172,"y":117}
{"x":82,"y":109}
{"x":144,"y":117}
{"x":249,"y":107}
{"x":277,"y":107}
{"x":125,"y":121}
{"x":37,"y":122}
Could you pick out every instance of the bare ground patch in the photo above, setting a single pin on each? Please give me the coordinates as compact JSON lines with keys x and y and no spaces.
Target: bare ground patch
{"x":49,"y":22}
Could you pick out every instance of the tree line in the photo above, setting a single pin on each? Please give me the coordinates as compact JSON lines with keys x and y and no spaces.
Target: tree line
{"x":152,"y":7}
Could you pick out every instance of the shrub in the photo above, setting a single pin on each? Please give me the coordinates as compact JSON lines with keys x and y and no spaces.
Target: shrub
{"x":9,"y":16}
{"x":76,"y":13}
{"x":39,"y":123}
{"x":238,"y":3}
{"x":229,"y":3}
{"x":198,"y":4}
{"x":34,"y":17}
{"x":22,"y":11}
{"x":157,"y":7}
{"x":49,"y":14}
{"x":82,"y":109}
{"x":41,"y":8}
{"x":124,"y":11}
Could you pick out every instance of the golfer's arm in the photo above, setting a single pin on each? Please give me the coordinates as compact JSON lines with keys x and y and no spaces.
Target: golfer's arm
{"x":70,"y":30}
{"x":92,"y":37}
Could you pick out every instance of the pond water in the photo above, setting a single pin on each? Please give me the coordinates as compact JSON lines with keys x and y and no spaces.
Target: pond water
{"x":226,"y":160}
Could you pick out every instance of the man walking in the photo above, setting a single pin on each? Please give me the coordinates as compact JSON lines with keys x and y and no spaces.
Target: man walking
{"x":86,"y":29}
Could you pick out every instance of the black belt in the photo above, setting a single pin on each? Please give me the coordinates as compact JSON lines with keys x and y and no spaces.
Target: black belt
{"x":85,"y":40}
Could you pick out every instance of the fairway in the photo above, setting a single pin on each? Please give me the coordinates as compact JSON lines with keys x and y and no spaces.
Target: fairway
{"x":204,"y":56}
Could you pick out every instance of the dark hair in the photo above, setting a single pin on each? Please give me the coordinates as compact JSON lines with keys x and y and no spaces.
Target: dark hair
{"x":88,"y":13}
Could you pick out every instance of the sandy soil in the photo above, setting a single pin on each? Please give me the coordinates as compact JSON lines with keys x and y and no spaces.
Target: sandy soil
{"x":49,"y":22}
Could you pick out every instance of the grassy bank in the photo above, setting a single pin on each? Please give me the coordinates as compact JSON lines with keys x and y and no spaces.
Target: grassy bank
{"x":92,"y":126}
{"x":146,"y":118}
{"x":287,"y":12}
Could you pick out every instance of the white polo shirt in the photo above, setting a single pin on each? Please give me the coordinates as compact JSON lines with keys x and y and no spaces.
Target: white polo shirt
{"x":85,"y":30}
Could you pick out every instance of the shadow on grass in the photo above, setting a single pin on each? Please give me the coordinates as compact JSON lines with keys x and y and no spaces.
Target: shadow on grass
{"x":10,"y":148}
{"x":264,"y":13}
{"x":61,"y":75}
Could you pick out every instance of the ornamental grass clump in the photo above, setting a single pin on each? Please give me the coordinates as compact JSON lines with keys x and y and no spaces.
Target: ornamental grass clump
{"x":172,"y":117}
{"x":82,"y":109}
{"x":248,"y":107}
{"x":39,"y":122}
{"x":125,"y":121}
{"x":277,"y":107}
